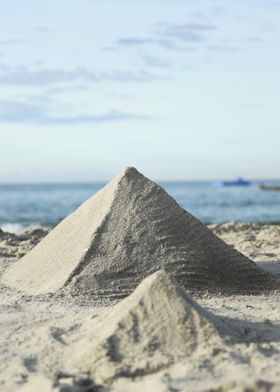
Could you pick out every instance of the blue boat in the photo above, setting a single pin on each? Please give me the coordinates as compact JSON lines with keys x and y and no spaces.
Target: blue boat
{"x":239,"y":181}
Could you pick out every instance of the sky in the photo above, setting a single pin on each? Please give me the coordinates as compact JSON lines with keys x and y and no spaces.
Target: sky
{"x":179,"y":89}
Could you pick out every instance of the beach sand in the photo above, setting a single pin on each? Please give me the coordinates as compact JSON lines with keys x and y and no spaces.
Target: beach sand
{"x":42,"y":336}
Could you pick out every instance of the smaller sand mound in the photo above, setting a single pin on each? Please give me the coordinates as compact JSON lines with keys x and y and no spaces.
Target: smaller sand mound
{"x":152,"y":328}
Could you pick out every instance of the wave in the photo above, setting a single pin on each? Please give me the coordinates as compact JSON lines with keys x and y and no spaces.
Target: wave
{"x":18,"y":228}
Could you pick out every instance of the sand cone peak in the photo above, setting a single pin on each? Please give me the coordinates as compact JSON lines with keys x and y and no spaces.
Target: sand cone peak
{"x":159,"y":292}
{"x":159,"y":286}
{"x":129,"y":171}
{"x":153,"y":327}
{"x":128,"y":230}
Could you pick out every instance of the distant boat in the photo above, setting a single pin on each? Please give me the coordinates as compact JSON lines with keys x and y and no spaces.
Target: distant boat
{"x":270,"y":187}
{"x":239,"y":181}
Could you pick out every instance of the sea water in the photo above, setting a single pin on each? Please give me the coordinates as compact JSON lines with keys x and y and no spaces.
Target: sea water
{"x":23,"y":206}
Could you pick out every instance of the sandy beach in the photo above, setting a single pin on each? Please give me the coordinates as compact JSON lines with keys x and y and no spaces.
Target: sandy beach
{"x":162,"y":337}
{"x":36,"y":333}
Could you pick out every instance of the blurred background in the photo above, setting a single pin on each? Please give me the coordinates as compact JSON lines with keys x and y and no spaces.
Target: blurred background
{"x":187,"y":92}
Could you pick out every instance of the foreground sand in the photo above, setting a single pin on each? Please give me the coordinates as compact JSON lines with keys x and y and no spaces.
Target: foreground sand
{"x":37,"y":333}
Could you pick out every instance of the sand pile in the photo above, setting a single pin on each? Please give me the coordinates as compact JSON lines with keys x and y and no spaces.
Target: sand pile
{"x":152,"y":328}
{"x":128,"y":230}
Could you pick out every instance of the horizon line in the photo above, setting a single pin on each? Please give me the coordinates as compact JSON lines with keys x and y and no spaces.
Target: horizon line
{"x":87,"y":182}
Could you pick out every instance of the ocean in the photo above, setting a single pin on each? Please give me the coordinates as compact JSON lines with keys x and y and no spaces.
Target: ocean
{"x":36,"y":205}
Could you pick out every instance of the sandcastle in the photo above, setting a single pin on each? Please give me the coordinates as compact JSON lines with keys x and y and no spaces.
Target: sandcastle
{"x":127,"y":231}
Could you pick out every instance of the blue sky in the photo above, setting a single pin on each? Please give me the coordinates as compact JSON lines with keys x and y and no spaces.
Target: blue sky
{"x":179,"y":89}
